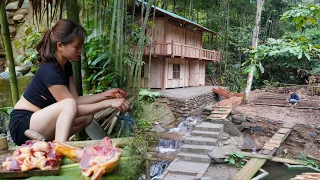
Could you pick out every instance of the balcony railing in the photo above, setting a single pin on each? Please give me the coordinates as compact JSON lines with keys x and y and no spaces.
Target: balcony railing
{"x":174,"y":49}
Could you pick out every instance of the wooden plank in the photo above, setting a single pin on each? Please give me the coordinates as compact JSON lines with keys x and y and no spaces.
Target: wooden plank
{"x":220,"y":112}
{"x":278,"y":136}
{"x":266,"y":97}
{"x":216,"y":116}
{"x":314,"y":108}
{"x":274,"y":141}
{"x":250,"y":169}
{"x":275,"y":159}
{"x":226,"y":107}
{"x":312,"y":157}
{"x":289,"y":161}
{"x":283,"y":130}
{"x":268,"y":147}
{"x":268,"y":104}
{"x":272,"y":145}
{"x":260,"y":156}
{"x":265,"y":151}
{"x":220,"y":118}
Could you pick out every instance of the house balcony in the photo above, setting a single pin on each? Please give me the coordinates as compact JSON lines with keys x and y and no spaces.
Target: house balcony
{"x":174,"y":49}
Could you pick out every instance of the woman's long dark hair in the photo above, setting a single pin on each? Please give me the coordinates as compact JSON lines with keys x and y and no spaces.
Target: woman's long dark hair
{"x":64,"y":31}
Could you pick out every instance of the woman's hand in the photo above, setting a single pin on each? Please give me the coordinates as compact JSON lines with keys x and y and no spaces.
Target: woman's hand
{"x":116,"y":93}
{"x":120,"y":104}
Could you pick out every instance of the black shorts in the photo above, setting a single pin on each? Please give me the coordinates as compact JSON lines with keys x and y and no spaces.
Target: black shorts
{"x":19,"y":122}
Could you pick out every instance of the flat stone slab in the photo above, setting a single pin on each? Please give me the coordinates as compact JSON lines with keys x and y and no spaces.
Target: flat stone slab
{"x":198,"y":140}
{"x":188,"y":167}
{"x":170,"y":176}
{"x":205,"y":133}
{"x":196,"y":148}
{"x":221,"y":152}
{"x":207,"y":126}
{"x":194,"y":157}
{"x":186,"y":93}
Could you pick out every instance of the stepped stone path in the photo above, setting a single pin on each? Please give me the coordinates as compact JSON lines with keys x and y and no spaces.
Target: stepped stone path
{"x":193,"y":160}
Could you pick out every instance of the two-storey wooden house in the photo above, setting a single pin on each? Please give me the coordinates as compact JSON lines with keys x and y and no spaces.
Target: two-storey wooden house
{"x":178,"y":58}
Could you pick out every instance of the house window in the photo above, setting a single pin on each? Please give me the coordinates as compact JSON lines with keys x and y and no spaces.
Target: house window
{"x":176,"y":71}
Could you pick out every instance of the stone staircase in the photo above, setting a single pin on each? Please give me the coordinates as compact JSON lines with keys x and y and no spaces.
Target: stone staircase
{"x":193,"y":160}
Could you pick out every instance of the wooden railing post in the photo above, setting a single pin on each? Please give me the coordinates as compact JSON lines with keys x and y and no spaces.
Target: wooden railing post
{"x":182,"y":50}
{"x":172,"y":54}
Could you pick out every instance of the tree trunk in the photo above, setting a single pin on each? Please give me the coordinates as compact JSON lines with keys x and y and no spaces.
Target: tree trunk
{"x":174,"y":6}
{"x":255,"y":39}
{"x":73,"y":14}
{"x":114,"y":11}
{"x":9,"y":54}
{"x":86,"y":83}
{"x":150,"y":49}
{"x":116,"y":59}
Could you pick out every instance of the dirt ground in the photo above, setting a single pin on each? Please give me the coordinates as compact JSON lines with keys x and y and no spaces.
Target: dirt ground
{"x":287,"y":115}
{"x":305,"y":137}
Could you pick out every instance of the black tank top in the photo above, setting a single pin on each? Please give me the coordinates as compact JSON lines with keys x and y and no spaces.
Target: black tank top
{"x":47,"y":75}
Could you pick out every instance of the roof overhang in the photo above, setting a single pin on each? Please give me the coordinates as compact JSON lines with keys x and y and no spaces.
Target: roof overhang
{"x":179,"y":18}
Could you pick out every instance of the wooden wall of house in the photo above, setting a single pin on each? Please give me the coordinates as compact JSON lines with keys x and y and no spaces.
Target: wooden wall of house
{"x":202,"y":73}
{"x":164,"y":33}
{"x":194,"y":73}
{"x":197,"y":73}
{"x":158,"y":34}
{"x":176,"y":82}
{"x":156,"y":72}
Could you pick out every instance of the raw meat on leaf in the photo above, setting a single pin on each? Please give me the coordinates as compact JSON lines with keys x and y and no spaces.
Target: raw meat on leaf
{"x":32,"y":155}
{"x":100,"y":159}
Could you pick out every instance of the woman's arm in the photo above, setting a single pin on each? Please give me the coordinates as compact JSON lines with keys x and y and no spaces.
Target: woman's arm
{"x":93,"y":98}
{"x":61,"y":92}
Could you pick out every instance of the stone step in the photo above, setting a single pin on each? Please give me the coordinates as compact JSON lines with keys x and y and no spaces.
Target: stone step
{"x":197,"y":140}
{"x":207,"y":126}
{"x":172,"y":176}
{"x":205,"y":133}
{"x":190,"y":148}
{"x":194,"y":157}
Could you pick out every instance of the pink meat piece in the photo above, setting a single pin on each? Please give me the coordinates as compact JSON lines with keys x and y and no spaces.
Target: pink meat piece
{"x":95,"y":159}
{"x":14,"y":165}
{"x":31,"y":155}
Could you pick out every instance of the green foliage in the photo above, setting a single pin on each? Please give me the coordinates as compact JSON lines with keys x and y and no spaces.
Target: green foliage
{"x":298,"y":49}
{"x":7,"y":110}
{"x":234,"y":78}
{"x":311,"y":162}
{"x":28,"y":45}
{"x":235,"y":159}
{"x":146,"y":95}
{"x":269,"y":84}
{"x":102,"y":73}
{"x":302,"y":16}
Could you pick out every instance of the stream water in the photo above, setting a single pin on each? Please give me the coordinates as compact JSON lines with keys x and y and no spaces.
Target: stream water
{"x":278,"y":171}
{"x":168,"y":146}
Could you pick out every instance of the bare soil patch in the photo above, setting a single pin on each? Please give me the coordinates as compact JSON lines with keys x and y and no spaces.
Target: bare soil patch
{"x":288,"y":115}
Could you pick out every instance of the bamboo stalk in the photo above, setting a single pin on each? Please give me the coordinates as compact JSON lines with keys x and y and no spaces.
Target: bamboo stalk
{"x":9,"y":54}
